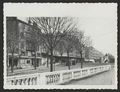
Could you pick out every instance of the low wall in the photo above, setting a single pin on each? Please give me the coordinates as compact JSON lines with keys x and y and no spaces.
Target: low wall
{"x":56,"y":77}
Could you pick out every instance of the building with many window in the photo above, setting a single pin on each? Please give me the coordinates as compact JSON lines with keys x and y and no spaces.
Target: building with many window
{"x":21,"y":31}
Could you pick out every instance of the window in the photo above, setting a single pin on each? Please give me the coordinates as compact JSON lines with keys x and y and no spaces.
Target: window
{"x":22,"y":35}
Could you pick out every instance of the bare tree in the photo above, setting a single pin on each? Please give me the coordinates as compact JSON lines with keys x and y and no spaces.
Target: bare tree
{"x":69,"y":46}
{"x":111,"y":58}
{"x":53,"y":30}
{"x":12,"y":39}
{"x":61,"y":47}
{"x":34,"y":38}
{"x":88,"y":45}
{"x":80,"y":44}
{"x":46,"y":50}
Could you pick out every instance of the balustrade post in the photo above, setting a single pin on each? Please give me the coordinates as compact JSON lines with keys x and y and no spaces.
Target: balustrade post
{"x":9,"y":82}
{"x":61,"y":77}
{"x":42,"y":79}
{"x":98,"y":69}
{"x":106,"y":68}
{"x":38,"y":79}
{"x":88,"y":71}
{"x":72,"y":74}
{"x":110,"y":67}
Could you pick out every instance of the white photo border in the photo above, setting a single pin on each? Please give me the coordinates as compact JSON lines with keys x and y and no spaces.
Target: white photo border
{"x":20,"y":10}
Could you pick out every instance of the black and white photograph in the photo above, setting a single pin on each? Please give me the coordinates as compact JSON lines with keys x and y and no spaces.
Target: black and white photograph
{"x":60,"y":46}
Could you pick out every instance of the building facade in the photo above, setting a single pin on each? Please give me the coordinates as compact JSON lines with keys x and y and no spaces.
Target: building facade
{"x":21,"y":31}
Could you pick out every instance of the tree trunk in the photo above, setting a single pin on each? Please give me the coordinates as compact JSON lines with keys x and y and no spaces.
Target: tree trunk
{"x":7,"y":60}
{"x":68,"y":61}
{"x":61,"y":59}
{"x":61,"y":54}
{"x":81,"y":60}
{"x":12,"y":63}
{"x":51,"y":61}
{"x":47,"y":62}
{"x":35,"y":61}
{"x":19,"y":64}
{"x":54,"y":66}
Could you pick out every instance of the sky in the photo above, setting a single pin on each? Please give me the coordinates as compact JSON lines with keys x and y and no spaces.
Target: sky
{"x":101,"y":26}
{"x":102,"y":32}
{"x":98,"y":20}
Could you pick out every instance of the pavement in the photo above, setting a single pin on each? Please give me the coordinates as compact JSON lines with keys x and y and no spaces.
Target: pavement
{"x":105,"y":78}
{"x":42,"y":69}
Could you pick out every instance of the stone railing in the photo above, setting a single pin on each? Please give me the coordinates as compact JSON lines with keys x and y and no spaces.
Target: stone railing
{"x":56,"y":77}
{"x":30,"y":79}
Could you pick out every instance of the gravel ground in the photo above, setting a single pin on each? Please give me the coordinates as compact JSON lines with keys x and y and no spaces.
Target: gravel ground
{"x":42,"y":69}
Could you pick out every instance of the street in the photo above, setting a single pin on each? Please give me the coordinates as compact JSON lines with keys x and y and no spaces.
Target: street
{"x":105,"y":78}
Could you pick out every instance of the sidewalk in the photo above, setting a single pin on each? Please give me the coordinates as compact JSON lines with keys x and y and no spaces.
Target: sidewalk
{"x":105,"y":78}
{"x":42,"y":69}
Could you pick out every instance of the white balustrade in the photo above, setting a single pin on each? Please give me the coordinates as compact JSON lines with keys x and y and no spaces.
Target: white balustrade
{"x":27,"y":79}
{"x":67,"y":76}
{"x":77,"y":74}
{"x":52,"y":78}
{"x":56,"y":77}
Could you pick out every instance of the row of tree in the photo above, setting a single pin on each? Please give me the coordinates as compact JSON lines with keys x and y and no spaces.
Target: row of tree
{"x":54,"y":34}
{"x":60,"y":34}
{"x":111,"y":58}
